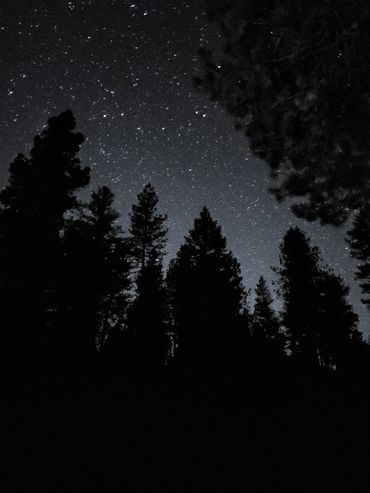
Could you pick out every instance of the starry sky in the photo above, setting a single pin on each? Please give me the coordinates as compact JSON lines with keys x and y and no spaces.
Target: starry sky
{"x":126,"y":70}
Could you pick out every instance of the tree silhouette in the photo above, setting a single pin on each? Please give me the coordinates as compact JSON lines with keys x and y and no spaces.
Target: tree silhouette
{"x":207,"y":299}
{"x":98,"y":267}
{"x":298,"y":275}
{"x":267,"y":336}
{"x":41,"y":189}
{"x":147,"y":321}
{"x":339,"y":338}
{"x":321,"y":323}
{"x":359,"y":241}
{"x":147,"y":231}
{"x":295,"y":77}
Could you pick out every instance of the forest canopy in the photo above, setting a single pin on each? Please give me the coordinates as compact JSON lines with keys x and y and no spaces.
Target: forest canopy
{"x":86,"y":295}
{"x":295,"y":76}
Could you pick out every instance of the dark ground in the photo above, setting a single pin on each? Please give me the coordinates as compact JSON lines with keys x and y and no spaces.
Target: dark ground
{"x":149,"y":443}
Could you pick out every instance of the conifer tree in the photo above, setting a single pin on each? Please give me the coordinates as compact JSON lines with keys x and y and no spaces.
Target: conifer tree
{"x":147,"y":231}
{"x":40,"y":190}
{"x":267,"y":335}
{"x":295,"y":77}
{"x":146,"y":321}
{"x":359,"y":242}
{"x":207,"y":298}
{"x":339,"y":338}
{"x":99,"y":268}
{"x":298,"y":275}
{"x":321,"y":323}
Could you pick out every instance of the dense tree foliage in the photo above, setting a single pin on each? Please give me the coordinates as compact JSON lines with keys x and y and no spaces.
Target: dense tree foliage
{"x":98,"y":267}
{"x":41,"y":189}
{"x":338,"y":334}
{"x":147,"y":231}
{"x":295,"y":75}
{"x":268,"y":338}
{"x":148,"y":319}
{"x":298,"y":274}
{"x":359,"y":242}
{"x":319,"y":320}
{"x":147,"y":314}
{"x":207,"y":297}
{"x":84,"y":305}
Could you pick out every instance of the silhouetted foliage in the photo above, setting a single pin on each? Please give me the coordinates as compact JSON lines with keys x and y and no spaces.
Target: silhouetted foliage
{"x":295,"y":76}
{"x":268,"y":339}
{"x":147,"y":320}
{"x":359,"y":241}
{"x":321,"y":324}
{"x":298,"y":275}
{"x":339,"y":338}
{"x":97,"y":262}
{"x":41,"y":189}
{"x":86,"y":309}
{"x":147,"y":315}
{"x":147,"y":231}
{"x":207,"y":299}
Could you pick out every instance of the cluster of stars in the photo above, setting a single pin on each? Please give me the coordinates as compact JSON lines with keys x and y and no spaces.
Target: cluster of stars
{"x":126,"y":70}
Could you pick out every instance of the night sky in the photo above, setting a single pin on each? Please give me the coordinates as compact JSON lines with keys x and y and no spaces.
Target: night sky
{"x":126,"y":70}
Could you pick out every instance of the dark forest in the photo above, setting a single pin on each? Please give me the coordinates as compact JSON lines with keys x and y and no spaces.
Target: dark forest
{"x":131,"y":361}
{"x":90,"y":315}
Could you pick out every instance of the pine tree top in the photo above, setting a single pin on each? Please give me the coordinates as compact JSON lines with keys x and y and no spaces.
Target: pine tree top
{"x":52,"y":174}
{"x":206,"y":234}
{"x":147,"y":230}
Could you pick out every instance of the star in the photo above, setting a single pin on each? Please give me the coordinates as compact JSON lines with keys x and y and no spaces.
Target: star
{"x":126,"y":70}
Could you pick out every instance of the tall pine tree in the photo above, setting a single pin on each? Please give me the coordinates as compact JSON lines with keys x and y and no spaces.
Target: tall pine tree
{"x":147,"y":231}
{"x":339,"y":339}
{"x":321,"y":324}
{"x":207,"y":299}
{"x":268,"y":338}
{"x":148,"y":320}
{"x":97,"y":259}
{"x":41,"y":189}
{"x":298,"y":276}
{"x":359,"y":241}
{"x":147,"y":312}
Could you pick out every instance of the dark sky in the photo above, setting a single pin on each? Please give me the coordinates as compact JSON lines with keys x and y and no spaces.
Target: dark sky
{"x":126,"y":70}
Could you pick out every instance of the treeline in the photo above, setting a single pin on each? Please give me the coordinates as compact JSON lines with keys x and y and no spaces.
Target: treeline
{"x":86,"y":305}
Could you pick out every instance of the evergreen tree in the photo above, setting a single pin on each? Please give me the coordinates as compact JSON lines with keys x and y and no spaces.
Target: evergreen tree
{"x":321,"y":324}
{"x":359,"y":241}
{"x":98,"y":264}
{"x":147,"y":320}
{"x":267,"y":336}
{"x":207,"y":299}
{"x":299,"y":273}
{"x":339,"y":339}
{"x":41,"y":189}
{"x":147,"y":231}
{"x":295,"y":77}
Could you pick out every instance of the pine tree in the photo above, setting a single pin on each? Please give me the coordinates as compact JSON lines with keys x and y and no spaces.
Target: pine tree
{"x":359,"y":242}
{"x":339,"y":339}
{"x":298,"y":276}
{"x":147,"y":320}
{"x":267,"y":336}
{"x":207,"y":298}
{"x":295,"y":77}
{"x":147,"y":231}
{"x":98,"y":264}
{"x":41,"y":189}
{"x":321,"y":323}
